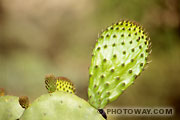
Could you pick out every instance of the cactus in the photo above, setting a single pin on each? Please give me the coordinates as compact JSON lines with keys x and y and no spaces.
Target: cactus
{"x":119,"y":56}
{"x":60,"y":105}
{"x":10,"y":108}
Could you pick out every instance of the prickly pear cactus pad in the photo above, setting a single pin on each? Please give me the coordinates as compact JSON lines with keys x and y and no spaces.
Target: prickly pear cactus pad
{"x":60,"y":105}
{"x":119,"y":56}
{"x":59,"y":84}
{"x":10,"y":108}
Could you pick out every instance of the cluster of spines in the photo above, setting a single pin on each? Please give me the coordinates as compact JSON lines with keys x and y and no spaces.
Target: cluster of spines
{"x":127,"y":29}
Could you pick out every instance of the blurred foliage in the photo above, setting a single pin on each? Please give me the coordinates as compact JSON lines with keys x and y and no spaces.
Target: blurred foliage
{"x":38,"y":37}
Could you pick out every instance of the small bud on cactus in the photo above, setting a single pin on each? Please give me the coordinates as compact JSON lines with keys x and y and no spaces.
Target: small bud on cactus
{"x":10,"y":108}
{"x":59,"y":84}
{"x":50,"y":82}
{"x":64,"y":84}
{"x":2,"y":92}
{"x":119,"y":56}
{"x":24,"y":102}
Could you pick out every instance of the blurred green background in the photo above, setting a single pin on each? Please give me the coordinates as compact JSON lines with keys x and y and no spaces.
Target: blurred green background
{"x":38,"y":37}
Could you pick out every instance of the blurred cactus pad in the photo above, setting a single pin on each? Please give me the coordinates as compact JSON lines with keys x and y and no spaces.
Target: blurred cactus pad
{"x":10,"y":108}
{"x":119,"y":56}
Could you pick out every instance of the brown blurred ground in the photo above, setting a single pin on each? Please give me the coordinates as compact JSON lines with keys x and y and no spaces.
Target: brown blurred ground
{"x":38,"y":37}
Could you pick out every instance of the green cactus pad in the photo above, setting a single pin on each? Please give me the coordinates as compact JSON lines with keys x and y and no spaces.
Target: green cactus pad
{"x":10,"y":108}
{"x":119,"y":56}
{"x":60,"y":106}
{"x":59,"y":84}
